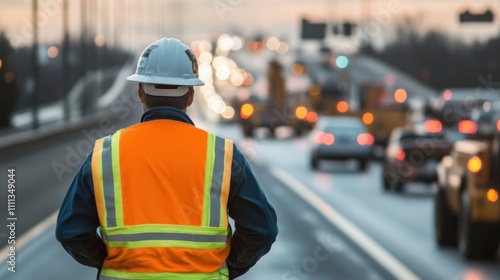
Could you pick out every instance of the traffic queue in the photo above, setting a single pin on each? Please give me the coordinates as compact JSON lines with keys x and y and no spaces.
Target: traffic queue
{"x":449,"y":142}
{"x":452,"y":147}
{"x":458,"y":155}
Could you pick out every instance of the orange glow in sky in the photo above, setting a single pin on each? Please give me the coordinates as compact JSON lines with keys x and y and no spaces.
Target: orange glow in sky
{"x":199,"y":19}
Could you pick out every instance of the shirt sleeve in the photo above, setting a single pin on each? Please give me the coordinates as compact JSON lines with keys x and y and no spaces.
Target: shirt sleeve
{"x":77,"y":222}
{"x":255,"y":219}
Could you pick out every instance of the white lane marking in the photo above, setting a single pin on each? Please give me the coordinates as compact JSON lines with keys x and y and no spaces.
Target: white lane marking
{"x":29,"y":235}
{"x":376,"y":251}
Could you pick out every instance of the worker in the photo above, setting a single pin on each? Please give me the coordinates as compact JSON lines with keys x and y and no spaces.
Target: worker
{"x":160,"y":191}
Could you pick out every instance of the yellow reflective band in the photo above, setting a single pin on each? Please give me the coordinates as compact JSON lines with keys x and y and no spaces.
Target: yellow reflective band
{"x":226,"y":181}
{"x":98,"y":181}
{"x":117,"y":181}
{"x":166,"y":243}
{"x":209,"y":167}
{"x":166,"y":228}
{"x":112,"y":274}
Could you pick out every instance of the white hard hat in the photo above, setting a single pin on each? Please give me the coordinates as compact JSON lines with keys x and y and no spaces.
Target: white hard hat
{"x":167,"y":62}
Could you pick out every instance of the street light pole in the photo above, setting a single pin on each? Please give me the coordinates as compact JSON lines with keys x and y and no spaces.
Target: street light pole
{"x":83,"y":56}
{"x":34,"y":50}
{"x":65,"y":68}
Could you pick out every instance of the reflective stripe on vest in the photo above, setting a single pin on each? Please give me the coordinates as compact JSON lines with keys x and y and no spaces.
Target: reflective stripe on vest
{"x":166,"y":236}
{"x":211,"y":234}
{"x":222,"y":274}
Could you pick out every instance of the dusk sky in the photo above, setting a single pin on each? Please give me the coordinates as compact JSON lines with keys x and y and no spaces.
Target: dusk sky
{"x":207,"y":18}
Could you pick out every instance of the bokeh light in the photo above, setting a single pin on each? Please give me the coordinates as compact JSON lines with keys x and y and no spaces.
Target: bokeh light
{"x":447,"y":95}
{"x":301,"y":112}
{"x":367,"y":118}
{"x":223,"y":73}
{"x":225,"y":42}
{"x":237,"y":43}
{"x":283,"y":48}
{"x":400,"y":95}
{"x":474,"y":164}
{"x":342,"y":61}
{"x":273,"y":43}
{"x":53,"y":52}
{"x":100,"y":40}
{"x":492,"y":195}
{"x":342,"y":106}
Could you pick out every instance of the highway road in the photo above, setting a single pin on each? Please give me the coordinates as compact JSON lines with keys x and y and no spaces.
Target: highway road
{"x":336,"y":223}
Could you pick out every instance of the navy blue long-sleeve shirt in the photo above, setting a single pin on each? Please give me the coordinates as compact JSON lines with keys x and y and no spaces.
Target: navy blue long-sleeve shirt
{"x":255,"y":219}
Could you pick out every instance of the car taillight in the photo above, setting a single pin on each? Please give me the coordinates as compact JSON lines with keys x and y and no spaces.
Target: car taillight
{"x":365,"y":139}
{"x":498,"y":125}
{"x":433,"y":126}
{"x":324,"y":138}
{"x":312,"y":117}
{"x":467,"y":127}
{"x":400,"y":155}
{"x":246,"y":111}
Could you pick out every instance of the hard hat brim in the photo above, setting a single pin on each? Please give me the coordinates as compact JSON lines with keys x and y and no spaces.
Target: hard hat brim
{"x":150,"y":89}
{"x":165,"y":80}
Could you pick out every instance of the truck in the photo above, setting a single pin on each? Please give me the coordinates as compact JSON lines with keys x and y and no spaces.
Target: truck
{"x":466,"y":204}
{"x":279,"y":109}
{"x":374,"y":106}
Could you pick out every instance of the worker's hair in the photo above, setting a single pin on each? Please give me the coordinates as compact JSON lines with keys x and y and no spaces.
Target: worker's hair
{"x":152,"y":101}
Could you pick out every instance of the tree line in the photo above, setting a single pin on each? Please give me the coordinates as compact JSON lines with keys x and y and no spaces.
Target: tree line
{"x":439,"y":61}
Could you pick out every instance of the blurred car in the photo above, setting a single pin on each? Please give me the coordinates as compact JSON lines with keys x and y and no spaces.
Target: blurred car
{"x":483,"y":122}
{"x":453,"y":106}
{"x":341,"y":138}
{"x":467,"y":208}
{"x":413,"y":154}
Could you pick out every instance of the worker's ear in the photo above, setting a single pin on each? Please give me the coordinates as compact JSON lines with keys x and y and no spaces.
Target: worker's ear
{"x":140,"y":93}
{"x":190,"y":97}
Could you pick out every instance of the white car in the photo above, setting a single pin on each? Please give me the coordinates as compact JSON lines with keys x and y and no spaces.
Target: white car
{"x":341,"y":138}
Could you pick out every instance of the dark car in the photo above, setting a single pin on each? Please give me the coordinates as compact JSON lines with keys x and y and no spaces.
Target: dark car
{"x":483,"y":122}
{"x":413,"y":154}
{"x":341,"y":138}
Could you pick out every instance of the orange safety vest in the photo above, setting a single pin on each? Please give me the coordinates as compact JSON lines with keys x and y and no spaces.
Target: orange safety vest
{"x":161,"y":189}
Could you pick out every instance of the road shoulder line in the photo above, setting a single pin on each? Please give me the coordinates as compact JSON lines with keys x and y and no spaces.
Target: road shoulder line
{"x":377,"y":252}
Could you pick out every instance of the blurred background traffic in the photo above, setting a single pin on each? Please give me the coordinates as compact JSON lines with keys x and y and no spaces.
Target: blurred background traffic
{"x":372,"y":125}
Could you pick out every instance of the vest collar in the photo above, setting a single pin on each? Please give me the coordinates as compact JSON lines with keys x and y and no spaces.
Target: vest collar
{"x":166,"y":113}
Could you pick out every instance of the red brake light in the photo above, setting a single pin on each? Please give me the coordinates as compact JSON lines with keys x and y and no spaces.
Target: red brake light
{"x":467,"y":127}
{"x":312,"y":117}
{"x":433,"y":126}
{"x":365,"y":139}
{"x":324,"y":138}
{"x":447,"y":94}
{"x":400,"y":155}
{"x":371,"y":139}
{"x":498,"y":125}
{"x":328,"y":139}
{"x":318,"y":138}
